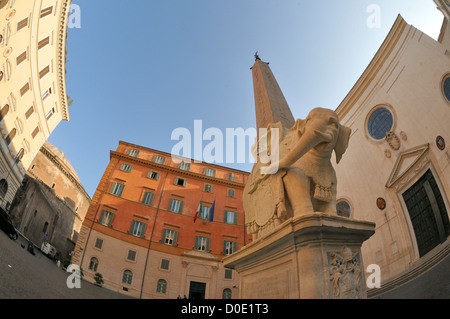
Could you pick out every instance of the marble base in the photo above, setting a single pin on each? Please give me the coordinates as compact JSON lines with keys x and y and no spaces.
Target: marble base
{"x":317,"y":256}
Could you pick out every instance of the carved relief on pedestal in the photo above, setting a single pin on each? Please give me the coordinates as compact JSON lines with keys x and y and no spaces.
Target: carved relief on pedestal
{"x":345,"y":274}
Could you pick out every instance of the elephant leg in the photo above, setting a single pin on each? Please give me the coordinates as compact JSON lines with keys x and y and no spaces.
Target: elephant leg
{"x":298,"y":189}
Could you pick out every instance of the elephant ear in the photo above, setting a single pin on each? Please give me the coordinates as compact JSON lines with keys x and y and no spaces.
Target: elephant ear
{"x":342,"y":142}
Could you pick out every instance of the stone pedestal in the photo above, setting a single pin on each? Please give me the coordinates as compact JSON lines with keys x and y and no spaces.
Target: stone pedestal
{"x":317,"y":256}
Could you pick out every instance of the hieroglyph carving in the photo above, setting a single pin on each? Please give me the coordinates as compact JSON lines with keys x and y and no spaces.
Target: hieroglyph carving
{"x":345,"y":274}
{"x":303,"y":180}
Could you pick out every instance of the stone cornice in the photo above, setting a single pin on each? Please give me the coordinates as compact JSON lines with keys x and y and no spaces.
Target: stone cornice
{"x":384,"y":52}
{"x":64,"y":170}
{"x":61,"y":58}
{"x":176,"y":170}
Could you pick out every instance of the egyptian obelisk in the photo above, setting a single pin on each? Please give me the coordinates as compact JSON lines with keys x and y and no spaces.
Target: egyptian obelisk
{"x":270,"y":103}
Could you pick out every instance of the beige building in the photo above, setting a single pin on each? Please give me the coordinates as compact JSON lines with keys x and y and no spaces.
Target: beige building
{"x":33,"y":97}
{"x":444,"y":6}
{"x":51,"y":203}
{"x":396,"y":171}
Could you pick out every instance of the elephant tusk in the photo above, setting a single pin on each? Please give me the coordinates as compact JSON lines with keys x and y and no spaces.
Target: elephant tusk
{"x":326,"y":137}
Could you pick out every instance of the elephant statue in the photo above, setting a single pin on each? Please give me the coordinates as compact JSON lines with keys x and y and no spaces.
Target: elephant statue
{"x":302,"y":181}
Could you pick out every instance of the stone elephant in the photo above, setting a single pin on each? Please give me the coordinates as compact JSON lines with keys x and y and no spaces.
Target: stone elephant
{"x":303,"y":180}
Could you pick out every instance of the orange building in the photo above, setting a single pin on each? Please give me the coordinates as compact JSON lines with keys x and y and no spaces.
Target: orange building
{"x":141,"y":234}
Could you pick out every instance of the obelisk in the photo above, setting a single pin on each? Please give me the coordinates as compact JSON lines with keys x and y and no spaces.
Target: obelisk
{"x":270,"y":103}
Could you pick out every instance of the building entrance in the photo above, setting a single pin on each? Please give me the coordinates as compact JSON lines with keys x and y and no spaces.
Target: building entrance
{"x":197,"y":290}
{"x":428,"y":214}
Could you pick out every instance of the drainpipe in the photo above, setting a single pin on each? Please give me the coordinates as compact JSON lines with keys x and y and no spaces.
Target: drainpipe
{"x":151,"y":235}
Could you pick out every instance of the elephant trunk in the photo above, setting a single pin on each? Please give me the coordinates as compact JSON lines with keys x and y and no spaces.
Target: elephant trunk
{"x":309,"y":140}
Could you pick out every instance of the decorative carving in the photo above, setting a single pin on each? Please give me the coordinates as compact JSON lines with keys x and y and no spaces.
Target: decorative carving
{"x":304,"y":161}
{"x":345,"y":274}
{"x":403,"y":136}
{"x":393,"y":140}
{"x":387,"y":153}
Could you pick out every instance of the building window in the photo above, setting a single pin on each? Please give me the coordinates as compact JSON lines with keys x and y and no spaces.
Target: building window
{"x":209,"y":172}
{"x":380,"y":122}
{"x":228,"y":274}
{"x":43,"y":43}
{"x":4,"y":111}
{"x":106,"y":218}
{"x":229,"y":247}
{"x":44,"y":72}
{"x":147,"y":199}
{"x":3,"y":188}
{"x":137,"y":228}
{"x":24,"y":89}
{"x":169,"y":237}
{"x":22,"y":57}
{"x":133,"y":152}
{"x":159,"y":159}
{"x":131,"y":255}
{"x":204,"y":212}
{"x":126,"y":168}
{"x":207,"y":188}
{"x":175,"y":205}
{"x":231,"y":177}
{"x":46,"y":94}
{"x":343,"y":208}
{"x":29,"y":112}
{"x":98,"y":243}
{"x":35,"y":132}
{"x":10,"y":136}
{"x":230,"y":217}
{"x":153,"y":175}
{"x":180,"y":181}
{"x":202,"y":243}
{"x":230,"y":193}
{"x":93,"y":264}
{"x":22,"y":24}
{"x":184,"y":166}
{"x":446,"y":87}
{"x":161,"y":287}
{"x":50,"y":114}
{"x":226,"y":294}
{"x":47,"y":11}
{"x":165,"y":264}
{"x":127,"y":277}
{"x":117,"y":189}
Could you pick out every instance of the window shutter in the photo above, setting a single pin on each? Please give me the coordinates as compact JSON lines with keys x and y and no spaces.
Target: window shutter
{"x":184,"y":182}
{"x":196,"y":242}
{"x":164,"y":234}
{"x":235,"y":218}
{"x":234,"y":246}
{"x":133,"y":225}
{"x":112,"y":219}
{"x":171,"y":204}
{"x":207,"y":244}
{"x":175,"y":181}
{"x":224,"y":247}
{"x":181,"y":207}
{"x":175,"y":238}
{"x":144,"y":227}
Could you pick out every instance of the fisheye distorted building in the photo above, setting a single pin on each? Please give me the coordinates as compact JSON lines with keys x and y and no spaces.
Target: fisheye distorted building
{"x":33,"y":97}
{"x":396,"y":170}
{"x":147,"y":234}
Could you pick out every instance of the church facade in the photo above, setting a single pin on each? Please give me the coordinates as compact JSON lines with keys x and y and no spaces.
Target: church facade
{"x":396,"y":171}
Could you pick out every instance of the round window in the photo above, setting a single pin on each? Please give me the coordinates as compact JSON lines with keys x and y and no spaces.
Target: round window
{"x":343,"y":208}
{"x":446,"y":87}
{"x":380,"y":122}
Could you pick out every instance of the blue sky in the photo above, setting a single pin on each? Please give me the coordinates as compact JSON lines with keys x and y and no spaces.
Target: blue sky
{"x":139,"y":69}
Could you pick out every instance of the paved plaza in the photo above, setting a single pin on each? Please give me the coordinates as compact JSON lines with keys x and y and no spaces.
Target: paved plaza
{"x":24,"y":276}
{"x":27,"y":276}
